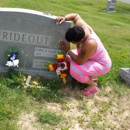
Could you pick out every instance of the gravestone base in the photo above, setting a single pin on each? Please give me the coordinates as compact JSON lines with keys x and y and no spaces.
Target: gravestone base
{"x":43,"y":74}
{"x":125,"y":75}
{"x":109,"y":11}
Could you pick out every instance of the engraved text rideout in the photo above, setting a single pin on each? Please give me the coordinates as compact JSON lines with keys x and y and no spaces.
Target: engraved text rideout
{"x":25,"y":38}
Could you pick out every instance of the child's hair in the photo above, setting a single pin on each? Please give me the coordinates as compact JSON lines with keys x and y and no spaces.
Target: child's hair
{"x":75,"y":34}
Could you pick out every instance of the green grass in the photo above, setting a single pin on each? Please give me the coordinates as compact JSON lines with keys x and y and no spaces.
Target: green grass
{"x":51,"y":118}
{"x":53,"y":100}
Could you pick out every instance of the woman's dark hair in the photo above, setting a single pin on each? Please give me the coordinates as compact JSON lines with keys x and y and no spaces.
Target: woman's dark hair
{"x":75,"y":34}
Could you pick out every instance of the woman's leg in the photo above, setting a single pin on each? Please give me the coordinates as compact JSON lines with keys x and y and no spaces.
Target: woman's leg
{"x":91,"y":84}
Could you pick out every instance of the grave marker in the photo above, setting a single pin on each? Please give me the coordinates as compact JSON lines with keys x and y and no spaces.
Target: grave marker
{"x":125,"y":75}
{"x":111,"y":4}
{"x":35,"y":34}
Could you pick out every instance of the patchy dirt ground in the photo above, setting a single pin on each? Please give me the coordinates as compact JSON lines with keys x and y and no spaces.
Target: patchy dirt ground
{"x":102,"y":111}
{"x":27,"y":121}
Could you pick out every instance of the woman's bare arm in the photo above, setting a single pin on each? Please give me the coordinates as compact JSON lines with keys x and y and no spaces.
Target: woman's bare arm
{"x":86,"y":52}
{"x":78,"y":21}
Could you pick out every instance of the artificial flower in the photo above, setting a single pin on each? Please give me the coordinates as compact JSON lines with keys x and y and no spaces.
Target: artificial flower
{"x":12,"y":57}
{"x":60,"y":67}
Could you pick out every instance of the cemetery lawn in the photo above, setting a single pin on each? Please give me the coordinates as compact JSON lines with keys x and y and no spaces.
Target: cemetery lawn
{"x":50,"y":105}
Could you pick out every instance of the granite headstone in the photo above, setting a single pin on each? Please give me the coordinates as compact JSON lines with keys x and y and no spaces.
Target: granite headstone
{"x":111,"y":4}
{"x":125,"y":75}
{"x":35,"y":34}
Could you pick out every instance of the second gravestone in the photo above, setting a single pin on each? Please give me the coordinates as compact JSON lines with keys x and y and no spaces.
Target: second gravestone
{"x":111,"y":4}
{"x":35,"y":34}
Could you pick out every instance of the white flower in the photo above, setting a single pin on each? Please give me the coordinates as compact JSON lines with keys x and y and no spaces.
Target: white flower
{"x":13,"y":63}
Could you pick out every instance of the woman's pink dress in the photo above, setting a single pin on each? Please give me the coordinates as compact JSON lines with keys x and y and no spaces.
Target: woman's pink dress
{"x":98,"y":64}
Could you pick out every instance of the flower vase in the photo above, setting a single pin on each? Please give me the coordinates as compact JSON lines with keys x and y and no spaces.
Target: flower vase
{"x":11,"y":72}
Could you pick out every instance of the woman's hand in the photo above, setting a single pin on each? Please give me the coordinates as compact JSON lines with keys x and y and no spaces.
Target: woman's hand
{"x":60,"y":19}
{"x":65,"y":47}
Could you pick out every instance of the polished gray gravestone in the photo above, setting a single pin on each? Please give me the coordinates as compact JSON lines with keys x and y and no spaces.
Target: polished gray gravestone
{"x":111,"y":4}
{"x":35,"y":34}
{"x":125,"y":75}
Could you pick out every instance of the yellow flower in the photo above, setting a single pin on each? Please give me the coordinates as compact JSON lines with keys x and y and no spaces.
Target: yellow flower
{"x":63,"y":75}
{"x":34,"y":83}
{"x":24,"y":79}
{"x":50,"y":67}
{"x":60,"y":56}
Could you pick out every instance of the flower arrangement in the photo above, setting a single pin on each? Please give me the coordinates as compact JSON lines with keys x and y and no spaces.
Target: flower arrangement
{"x":12,"y":56}
{"x":60,"y":67}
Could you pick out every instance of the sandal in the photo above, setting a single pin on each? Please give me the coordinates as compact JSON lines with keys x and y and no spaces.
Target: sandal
{"x":94,"y":80}
{"x":87,"y":92}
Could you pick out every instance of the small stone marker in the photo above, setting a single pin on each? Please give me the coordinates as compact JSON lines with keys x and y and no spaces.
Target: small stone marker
{"x":125,"y":75}
{"x":111,"y":4}
{"x":28,"y":80}
{"x":35,"y":34}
